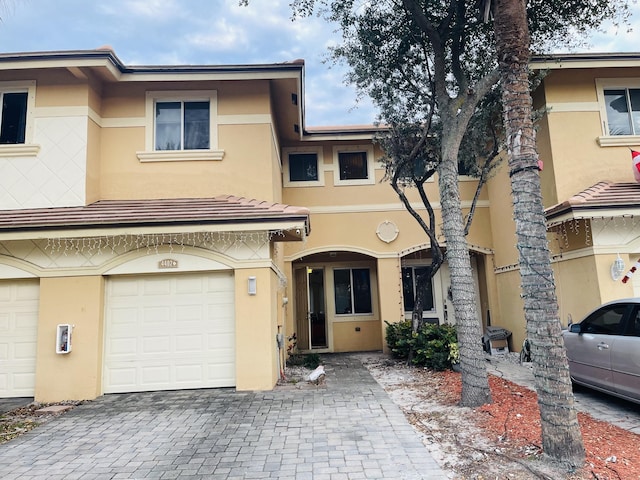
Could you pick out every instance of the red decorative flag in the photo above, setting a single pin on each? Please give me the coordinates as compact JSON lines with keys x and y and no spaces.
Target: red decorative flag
{"x":635,"y":157}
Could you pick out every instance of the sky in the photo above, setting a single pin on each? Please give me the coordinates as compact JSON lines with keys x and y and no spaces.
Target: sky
{"x":213,"y":32}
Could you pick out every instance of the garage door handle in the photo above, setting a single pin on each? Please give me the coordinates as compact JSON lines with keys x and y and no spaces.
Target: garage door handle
{"x":603,"y":346}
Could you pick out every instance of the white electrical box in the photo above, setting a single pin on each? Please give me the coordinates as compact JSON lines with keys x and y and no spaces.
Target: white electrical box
{"x":63,"y":338}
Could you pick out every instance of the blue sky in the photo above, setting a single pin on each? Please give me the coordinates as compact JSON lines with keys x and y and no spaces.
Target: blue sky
{"x":158,"y":32}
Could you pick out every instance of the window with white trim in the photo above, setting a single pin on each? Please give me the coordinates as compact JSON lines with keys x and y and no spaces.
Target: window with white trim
{"x":410,"y":276}
{"x":623,"y":110}
{"x":619,"y":106}
{"x":17,"y":100}
{"x":303,"y":167}
{"x":352,"y":291}
{"x":353,"y":165}
{"x":13,"y":120}
{"x":181,"y":125}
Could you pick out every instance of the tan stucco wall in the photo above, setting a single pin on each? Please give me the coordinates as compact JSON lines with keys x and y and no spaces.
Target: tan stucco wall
{"x":356,"y":336}
{"x":256,"y":328}
{"x":76,"y":375}
{"x":574,"y":126}
{"x":585,"y":283}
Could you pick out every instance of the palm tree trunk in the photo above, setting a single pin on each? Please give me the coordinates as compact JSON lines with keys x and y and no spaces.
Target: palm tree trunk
{"x":561,"y":437}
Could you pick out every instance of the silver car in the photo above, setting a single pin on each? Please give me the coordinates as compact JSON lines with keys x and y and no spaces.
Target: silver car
{"x":604,"y":349}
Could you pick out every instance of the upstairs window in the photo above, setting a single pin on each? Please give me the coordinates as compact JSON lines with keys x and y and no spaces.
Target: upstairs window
{"x":623,"y":110}
{"x":13,"y":121}
{"x":303,"y":167}
{"x":182,"y":125}
{"x":353,"y":165}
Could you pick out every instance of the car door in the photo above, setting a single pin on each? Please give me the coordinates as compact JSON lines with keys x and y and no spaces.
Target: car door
{"x":625,"y":358}
{"x":589,"y":345}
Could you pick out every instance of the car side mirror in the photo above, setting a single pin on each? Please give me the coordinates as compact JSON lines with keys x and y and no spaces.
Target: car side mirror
{"x":575,"y":328}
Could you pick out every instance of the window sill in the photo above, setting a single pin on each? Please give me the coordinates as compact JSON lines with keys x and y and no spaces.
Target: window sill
{"x":352,"y":183}
{"x":302,"y":184}
{"x":180,"y":156}
{"x":619,"y":140}
{"x":19,"y":150}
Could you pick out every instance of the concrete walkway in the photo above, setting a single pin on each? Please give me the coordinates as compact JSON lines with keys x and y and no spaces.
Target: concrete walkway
{"x":347,"y":429}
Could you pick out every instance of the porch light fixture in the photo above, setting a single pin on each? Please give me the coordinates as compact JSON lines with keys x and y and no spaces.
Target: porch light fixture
{"x":617,"y":268}
{"x":252,"y":287}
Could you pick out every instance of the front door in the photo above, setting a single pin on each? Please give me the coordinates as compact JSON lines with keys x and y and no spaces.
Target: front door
{"x":311,"y":319}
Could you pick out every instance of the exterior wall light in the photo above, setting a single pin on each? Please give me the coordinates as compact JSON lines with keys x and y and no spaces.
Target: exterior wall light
{"x":617,"y":268}
{"x":252,"y":287}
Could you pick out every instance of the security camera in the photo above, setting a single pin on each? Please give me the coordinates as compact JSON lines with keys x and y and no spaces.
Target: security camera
{"x":298,"y":231}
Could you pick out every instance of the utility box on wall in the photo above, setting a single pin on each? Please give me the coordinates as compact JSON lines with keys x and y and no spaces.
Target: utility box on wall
{"x":63,"y":338}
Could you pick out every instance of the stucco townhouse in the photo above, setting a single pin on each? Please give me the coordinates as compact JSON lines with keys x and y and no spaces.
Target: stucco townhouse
{"x":170,"y":227}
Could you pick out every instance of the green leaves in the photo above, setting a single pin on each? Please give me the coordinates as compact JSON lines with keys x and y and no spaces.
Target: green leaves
{"x":433,"y":346}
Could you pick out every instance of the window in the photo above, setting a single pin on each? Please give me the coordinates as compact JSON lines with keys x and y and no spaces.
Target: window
{"x":182,"y":125}
{"x":606,"y":321}
{"x":13,"y":122}
{"x":410,"y":277}
{"x":352,"y":288}
{"x":17,"y":101}
{"x":353,"y":165}
{"x":623,"y":110}
{"x":303,"y":167}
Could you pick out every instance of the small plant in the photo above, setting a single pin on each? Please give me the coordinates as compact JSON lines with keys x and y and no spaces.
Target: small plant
{"x":433,"y":346}
{"x":307,"y":360}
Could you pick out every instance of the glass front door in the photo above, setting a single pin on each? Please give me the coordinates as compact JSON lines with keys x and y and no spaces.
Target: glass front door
{"x":311,"y":319}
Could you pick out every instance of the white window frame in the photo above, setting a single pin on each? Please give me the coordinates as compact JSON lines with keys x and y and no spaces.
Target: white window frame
{"x":602,"y":84}
{"x":372,"y":293}
{"x":371,"y":176}
{"x":152,"y":155}
{"x":28,"y":148}
{"x":293,"y":150}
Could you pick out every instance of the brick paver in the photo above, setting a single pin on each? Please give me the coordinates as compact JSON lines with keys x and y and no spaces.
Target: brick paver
{"x":347,"y":429}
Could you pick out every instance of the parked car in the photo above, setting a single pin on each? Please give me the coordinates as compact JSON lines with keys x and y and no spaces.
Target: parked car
{"x":604,"y":349}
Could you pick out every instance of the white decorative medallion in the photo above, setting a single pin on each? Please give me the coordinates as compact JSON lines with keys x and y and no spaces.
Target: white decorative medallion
{"x":387,"y":231}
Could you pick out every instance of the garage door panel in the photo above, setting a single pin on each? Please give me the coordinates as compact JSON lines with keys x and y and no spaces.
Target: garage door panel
{"x":183,"y":327}
{"x":155,"y":345}
{"x":156,"y":286}
{"x":18,"y":337}
{"x":188,"y":343}
{"x":24,"y":350}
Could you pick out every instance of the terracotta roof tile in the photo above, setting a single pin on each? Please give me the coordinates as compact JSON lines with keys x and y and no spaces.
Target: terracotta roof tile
{"x":182,"y":211}
{"x":602,"y":195}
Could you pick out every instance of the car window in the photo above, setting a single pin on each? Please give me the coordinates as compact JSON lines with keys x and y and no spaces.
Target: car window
{"x":606,"y":321}
{"x":634,"y":323}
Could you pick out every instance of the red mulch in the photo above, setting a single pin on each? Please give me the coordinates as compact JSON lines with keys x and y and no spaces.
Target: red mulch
{"x":514,"y":418}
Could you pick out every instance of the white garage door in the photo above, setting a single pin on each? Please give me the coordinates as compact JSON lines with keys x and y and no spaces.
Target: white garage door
{"x":169,"y":332}
{"x":18,"y":337}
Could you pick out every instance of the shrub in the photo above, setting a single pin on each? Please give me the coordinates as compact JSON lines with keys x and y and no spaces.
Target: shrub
{"x":433,"y":346}
{"x":307,"y":360}
{"x":399,"y":338}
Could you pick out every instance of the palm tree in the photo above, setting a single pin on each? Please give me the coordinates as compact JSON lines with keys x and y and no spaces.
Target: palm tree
{"x":561,"y":438}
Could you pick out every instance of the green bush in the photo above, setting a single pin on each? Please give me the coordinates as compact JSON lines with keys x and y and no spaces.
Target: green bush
{"x":433,"y":346}
{"x":399,"y":339}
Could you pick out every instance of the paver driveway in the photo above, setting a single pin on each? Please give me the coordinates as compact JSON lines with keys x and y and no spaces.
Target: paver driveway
{"x":348,"y":429}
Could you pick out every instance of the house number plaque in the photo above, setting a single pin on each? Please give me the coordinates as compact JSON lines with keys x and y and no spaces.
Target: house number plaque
{"x":168,"y":263}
